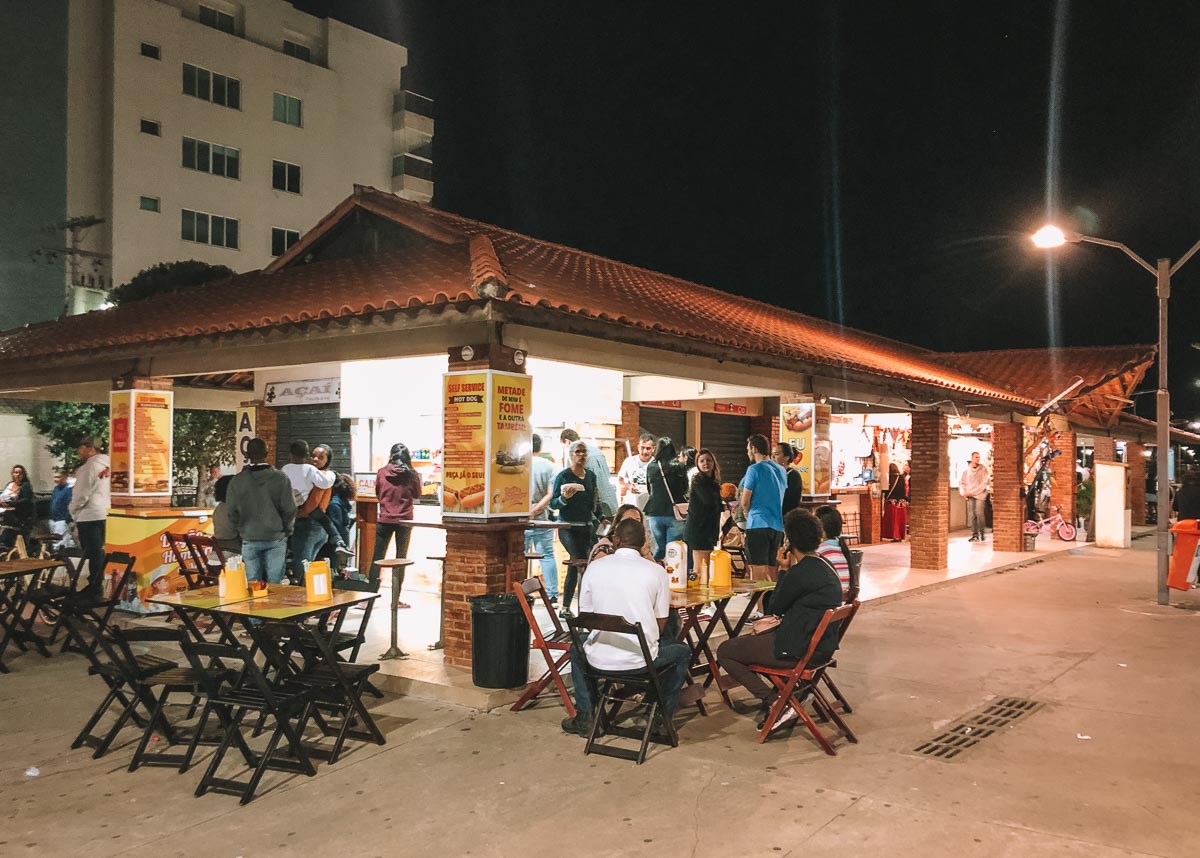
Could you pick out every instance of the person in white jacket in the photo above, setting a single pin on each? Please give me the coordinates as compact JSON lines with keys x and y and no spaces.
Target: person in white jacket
{"x":973,"y":485}
{"x":90,"y":501}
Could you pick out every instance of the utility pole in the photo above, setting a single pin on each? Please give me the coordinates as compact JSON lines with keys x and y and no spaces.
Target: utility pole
{"x":75,"y":228}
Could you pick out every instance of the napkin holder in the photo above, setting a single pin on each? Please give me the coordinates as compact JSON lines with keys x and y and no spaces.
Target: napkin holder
{"x":318,"y":582}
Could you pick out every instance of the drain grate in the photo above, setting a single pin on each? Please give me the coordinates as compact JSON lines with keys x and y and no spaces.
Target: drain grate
{"x":974,"y":728}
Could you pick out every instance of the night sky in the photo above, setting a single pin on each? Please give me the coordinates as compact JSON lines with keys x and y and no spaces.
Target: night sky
{"x":878,"y":163}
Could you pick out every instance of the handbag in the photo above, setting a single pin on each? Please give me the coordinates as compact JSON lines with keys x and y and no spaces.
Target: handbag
{"x":765,"y":624}
{"x":680,"y":509}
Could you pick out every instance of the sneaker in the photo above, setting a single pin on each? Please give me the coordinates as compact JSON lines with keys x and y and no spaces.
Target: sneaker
{"x":343,"y":550}
{"x":579,"y":725}
{"x":554,"y":600}
{"x":564,"y":613}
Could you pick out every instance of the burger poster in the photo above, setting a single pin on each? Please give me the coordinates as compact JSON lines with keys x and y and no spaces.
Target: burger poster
{"x":140,"y":433}
{"x":487,"y":443}
{"x":804,"y":424}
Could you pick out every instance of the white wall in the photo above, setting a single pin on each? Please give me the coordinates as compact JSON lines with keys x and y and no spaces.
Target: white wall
{"x":20,"y":445}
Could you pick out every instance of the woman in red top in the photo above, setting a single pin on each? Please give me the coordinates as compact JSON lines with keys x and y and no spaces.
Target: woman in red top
{"x":398,"y":487}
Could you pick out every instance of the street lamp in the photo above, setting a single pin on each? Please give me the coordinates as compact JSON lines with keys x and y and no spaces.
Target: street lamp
{"x":1050,"y":237}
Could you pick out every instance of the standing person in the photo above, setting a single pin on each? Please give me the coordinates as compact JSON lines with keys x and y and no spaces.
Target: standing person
{"x":328,"y":533}
{"x":60,"y":505}
{"x":666,"y":483}
{"x":18,"y":504}
{"x":304,"y":477}
{"x":341,"y":512}
{"x":208,"y":488}
{"x":575,"y":497}
{"x":263,"y":511}
{"x":804,"y":594}
{"x":973,"y":485}
{"x":540,"y":540}
{"x":702,"y":530}
{"x":783,"y":454}
{"x":631,"y":479}
{"x":90,"y":500}
{"x":398,"y":487}
{"x":895,"y":505}
{"x":688,"y":457}
{"x":224,"y":530}
{"x":598,"y":465}
{"x":763,"y":488}
{"x":629,"y":586}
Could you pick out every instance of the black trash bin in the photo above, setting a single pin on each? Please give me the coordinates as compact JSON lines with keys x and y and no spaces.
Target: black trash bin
{"x":499,"y":641}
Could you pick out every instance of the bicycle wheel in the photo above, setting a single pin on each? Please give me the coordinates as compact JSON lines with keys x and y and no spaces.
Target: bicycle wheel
{"x":1066,"y":532}
{"x":1032,"y":527}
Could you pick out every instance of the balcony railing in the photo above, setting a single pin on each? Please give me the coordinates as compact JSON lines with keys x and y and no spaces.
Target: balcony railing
{"x":407,"y":165}
{"x":413,"y":103}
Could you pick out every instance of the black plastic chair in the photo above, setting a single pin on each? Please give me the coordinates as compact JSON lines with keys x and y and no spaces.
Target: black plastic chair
{"x":645,"y":681}
{"x":99,"y":610}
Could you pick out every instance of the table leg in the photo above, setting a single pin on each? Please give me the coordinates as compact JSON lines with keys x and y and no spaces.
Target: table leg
{"x":438,"y":644}
{"x":394,"y":650}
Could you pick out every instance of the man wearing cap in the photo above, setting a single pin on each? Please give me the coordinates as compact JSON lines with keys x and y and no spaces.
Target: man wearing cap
{"x":90,"y":500}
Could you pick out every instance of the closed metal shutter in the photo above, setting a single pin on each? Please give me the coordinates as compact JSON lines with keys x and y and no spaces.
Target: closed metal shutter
{"x":316,"y":424}
{"x":663,"y":421}
{"x":725,"y":435}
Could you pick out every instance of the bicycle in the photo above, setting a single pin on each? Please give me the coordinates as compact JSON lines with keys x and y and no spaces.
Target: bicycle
{"x":1054,"y":524}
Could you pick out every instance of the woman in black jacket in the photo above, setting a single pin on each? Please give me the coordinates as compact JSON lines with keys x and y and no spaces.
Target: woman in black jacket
{"x":702,"y":530}
{"x":666,"y":485}
{"x":806,"y":591}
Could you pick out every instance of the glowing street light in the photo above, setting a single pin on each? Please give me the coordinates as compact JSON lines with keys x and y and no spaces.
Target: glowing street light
{"x":1050,"y":237}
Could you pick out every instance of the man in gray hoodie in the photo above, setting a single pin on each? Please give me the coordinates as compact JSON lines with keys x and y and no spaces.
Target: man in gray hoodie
{"x":263,"y":510}
{"x":89,"y":505}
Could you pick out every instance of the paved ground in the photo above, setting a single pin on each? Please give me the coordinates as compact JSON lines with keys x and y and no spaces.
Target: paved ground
{"x":1107,"y":767}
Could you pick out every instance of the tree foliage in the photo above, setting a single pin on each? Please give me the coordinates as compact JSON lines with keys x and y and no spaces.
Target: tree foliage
{"x":167,"y":277}
{"x":201,"y":438}
{"x":64,"y":423}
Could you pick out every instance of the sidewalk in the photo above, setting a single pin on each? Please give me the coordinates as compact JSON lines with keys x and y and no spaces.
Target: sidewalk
{"x":1108,"y":766}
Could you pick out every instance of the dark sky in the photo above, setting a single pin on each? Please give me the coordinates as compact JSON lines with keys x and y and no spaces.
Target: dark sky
{"x":879,"y":161}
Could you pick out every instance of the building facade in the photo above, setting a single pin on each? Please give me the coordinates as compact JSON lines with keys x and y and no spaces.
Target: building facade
{"x":218,"y":131}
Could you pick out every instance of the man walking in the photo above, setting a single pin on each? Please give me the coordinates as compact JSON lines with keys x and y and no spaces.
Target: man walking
{"x":973,"y":485}
{"x":628,"y":585}
{"x":263,"y":510}
{"x":631,"y":479}
{"x":540,"y":540}
{"x":598,"y":465}
{"x":763,"y":488}
{"x":90,"y":500}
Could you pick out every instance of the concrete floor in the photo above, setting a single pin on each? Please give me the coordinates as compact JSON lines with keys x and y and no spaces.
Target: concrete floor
{"x":1107,"y":767}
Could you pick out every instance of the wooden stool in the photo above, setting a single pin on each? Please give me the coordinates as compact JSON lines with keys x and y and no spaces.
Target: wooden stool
{"x":531,"y":557}
{"x":441,"y":617}
{"x":394,"y":650}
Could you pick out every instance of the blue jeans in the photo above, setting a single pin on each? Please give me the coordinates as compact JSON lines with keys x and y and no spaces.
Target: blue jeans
{"x":664,"y":529}
{"x":265,"y":560}
{"x":541,"y":541}
{"x":307,"y":539}
{"x":975,"y":518}
{"x":671,"y":652}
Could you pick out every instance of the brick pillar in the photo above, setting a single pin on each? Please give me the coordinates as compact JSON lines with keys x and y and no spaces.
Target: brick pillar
{"x":929,"y":511}
{"x":631,"y":415}
{"x":870,"y":517}
{"x":1105,"y":449}
{"x":266,"y":423}
{"x":1135,"y":455}
{"x":768,"y":425}
{"x":1008,"y":510}
{"x":1062,"y":475}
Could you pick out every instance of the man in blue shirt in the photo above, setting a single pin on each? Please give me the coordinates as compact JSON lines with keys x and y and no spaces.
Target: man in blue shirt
{"x":60,"y":505}
{"x":762,"y":499}
{"x":540,"y":540}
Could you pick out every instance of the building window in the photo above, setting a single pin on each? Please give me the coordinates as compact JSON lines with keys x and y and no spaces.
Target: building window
{"x":151,"y":51}
{"x":297,"y":50}
{"x":149,"y":126}
{"x":209,"y":229}
{"x":210,"y":86}
{"x":222,"y":21}
{"x":285,"y":177}
{"x":212,"y":158}
{"x":282,"y":240}
{"x":286,"y":109}
{"x":148,"y":204}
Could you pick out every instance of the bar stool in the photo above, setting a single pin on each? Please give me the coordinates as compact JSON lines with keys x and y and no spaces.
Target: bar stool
{"x":436,"y":645}
{"x":394,"y":563}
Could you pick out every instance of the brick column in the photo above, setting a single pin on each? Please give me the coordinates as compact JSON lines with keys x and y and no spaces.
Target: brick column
{"x":266,"y":422}
{"x":929,"y":511}
{"x":870,"y":517}
{"x":1008,"y":510}
{"x":1062,"y":475}
{"x":1136,"y":456}
{"x":766,"y":424}
{"x":1105,"y":450}
{"x":631,"y":415}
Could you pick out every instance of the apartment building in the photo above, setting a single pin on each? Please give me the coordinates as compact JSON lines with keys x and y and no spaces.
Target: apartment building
{"x":213,"y":130}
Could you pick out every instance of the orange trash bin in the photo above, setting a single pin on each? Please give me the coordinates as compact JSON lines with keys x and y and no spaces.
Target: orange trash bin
{"x":1183,"y":555}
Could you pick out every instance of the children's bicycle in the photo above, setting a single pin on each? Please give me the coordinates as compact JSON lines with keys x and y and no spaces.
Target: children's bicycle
{"x":1054,"y":524}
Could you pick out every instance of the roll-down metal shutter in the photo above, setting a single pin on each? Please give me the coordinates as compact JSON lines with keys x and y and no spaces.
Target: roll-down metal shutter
{"x":725,"y":435}
{"x":663,"y":421}
{"x":316,"y":424}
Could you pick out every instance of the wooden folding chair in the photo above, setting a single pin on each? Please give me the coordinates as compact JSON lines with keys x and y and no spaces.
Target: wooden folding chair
{"x":794,"y":684}
{"x":616,"y":687}
{"x":559,"y":641}
{"x":204,"y":550}
{"x":191,"y":571}
{"x":119,"y":566}
{"x":825,"y":677}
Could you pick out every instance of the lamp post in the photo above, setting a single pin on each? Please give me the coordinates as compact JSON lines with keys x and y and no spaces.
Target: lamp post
{"x":1049,"y":237}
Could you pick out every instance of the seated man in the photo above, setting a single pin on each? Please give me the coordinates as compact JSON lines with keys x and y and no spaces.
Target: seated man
{"x":630,"y":586}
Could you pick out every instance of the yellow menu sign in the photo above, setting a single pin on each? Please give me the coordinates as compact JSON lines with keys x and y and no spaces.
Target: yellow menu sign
{"x":805,"y":425}
{"x":487,"y":437}
{"x":140,"y":425}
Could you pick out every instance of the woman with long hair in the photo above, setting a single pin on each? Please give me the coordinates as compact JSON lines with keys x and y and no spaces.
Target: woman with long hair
{"x":604,"y":545}
{"x":398,"y":487}
{"x":666,"y":485}
{"x":895,"y":505}
{"x":17,"y":501}
{"x":702,"y":530}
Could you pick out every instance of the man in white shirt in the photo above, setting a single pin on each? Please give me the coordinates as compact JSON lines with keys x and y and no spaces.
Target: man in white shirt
{"x":973,"y":485}
{"x":631,"y":479}
{"x":626,"y":584}
{"x":90,"y":500}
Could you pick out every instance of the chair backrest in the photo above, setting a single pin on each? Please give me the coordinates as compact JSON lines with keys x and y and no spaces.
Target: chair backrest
{"x":833,"y":615}
{"x":588,"y":621}
{"x":354,"y":585}
{"x":119,"y":565}
{"x":203,"y":548}
{"x":202,"y":656}
{"x":88,"y":636}
{"x":535,"y":587}
{"x":853,"y":566}
{"x":182,"y":554}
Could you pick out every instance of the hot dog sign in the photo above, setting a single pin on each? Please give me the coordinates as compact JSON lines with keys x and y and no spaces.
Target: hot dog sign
{"x":488,"y":442}
{"x":804,"y":424}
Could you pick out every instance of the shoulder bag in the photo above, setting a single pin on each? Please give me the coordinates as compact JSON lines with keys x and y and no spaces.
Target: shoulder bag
{"x":680,"y":509}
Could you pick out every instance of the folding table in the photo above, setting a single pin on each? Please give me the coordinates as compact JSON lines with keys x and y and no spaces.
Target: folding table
{"x":14,"y":625}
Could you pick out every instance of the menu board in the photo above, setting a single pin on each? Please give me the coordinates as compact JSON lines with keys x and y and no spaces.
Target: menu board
{"x":804,"y":424}
{"x":140,"y":424}
{"x":488,"y":440}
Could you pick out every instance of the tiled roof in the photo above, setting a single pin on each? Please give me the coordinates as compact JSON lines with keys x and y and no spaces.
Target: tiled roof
{"x":464,"y":254}
{"x":1043,"y":373}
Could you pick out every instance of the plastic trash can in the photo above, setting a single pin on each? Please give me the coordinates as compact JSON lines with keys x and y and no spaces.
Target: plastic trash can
{"x":499,"y":641}
{"x":1030,"y":541}
{"x":1184,"y":554}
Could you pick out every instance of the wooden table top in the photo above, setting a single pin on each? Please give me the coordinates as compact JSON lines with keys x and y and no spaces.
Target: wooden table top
{"x":26,"y":565}
{"x":204,"y":598}
{"x":285,"y":602}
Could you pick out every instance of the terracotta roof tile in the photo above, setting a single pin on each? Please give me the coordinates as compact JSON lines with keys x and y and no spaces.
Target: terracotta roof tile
{"x":1043,"y":373}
